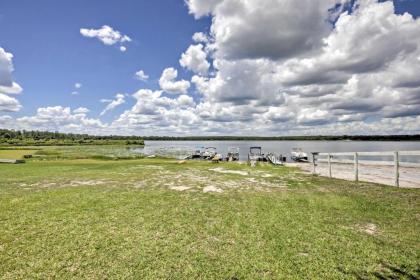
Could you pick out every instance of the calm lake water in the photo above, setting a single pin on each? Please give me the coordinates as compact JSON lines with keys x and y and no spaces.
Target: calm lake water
{"x":179,"y":148}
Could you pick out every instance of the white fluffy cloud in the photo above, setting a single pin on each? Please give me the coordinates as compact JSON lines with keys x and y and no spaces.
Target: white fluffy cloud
{"x":266,"y":29}
{"x":195,"y":59}
{"x":168,"y":84}
{"x":294,"y":66}
{"x":112,"y":104}
{"x":7,"y":85}
{"x":201,"y":8}
{"x":9,"y":104}
{"x":154,"y":113}
{"x":61,"y":119}
{"x":107,"y":35}
{"x":280,"y":67}
{"x":140,"y":75}
{"x":200,"y":37}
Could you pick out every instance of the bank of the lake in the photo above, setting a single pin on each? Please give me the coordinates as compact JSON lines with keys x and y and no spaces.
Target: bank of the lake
{"x":284,"y":147}
{"x":64,"y":217}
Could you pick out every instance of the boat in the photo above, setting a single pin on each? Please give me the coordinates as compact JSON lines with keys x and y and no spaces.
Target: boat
{"x":276,"y":159}
{"x":196,"y":154}
{"x":233,"y":154}
{"x":209,"y":153}
{"x":299,"y":155}
{"x":255,"y":154}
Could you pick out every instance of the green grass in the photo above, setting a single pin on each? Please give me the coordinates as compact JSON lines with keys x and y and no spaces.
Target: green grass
{"x":97,"y":219}
{"x":15,"y":154}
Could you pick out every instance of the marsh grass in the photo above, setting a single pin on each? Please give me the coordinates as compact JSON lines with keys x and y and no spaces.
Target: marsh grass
{"x":97,"y":219}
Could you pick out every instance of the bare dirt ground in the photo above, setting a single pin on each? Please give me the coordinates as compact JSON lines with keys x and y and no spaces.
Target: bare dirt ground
{"x":382,"y":174}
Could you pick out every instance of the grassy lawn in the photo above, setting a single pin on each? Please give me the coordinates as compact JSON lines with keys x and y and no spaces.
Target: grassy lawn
{"x":158,"y":219}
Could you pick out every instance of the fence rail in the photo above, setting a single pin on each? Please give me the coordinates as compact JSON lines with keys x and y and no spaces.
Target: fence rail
{"x":356,"y":162}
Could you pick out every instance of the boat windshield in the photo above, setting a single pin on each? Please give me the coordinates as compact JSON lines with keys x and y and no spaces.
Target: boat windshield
{"x":255,"y":150}
{"x":233,"y":150}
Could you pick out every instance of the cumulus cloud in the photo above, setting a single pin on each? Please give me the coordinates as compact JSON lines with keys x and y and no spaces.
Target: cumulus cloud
{"x":60,"y":118}
{"x":119,"y":100}
{"x":283,"y":67}
{"x":349,"y":68}
{"x":155,"y":113}
{"x":168,"y":84}
{"x":140,"y":75}
{"x":81,"y":110}
{"x":201,"y":8}
{"x":200,"y":37}
{"x":195,"y":59}
{"x":266,"y":29}
{"x":107,"y":35}
{"x":7,"y":85}
{"x":9,"y":104}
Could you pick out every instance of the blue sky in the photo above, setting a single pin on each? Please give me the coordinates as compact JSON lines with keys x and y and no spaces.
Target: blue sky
{"x":271,"y":66}
{"x":51,"y":55}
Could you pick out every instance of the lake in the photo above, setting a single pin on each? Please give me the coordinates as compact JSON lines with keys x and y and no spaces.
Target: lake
{"x":179,"y":148}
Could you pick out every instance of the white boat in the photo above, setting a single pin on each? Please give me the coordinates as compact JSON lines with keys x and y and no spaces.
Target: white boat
{"x":299,"y":155}
{"x":209,"y":153}
{"x":255,"y":154}
{"x":233,"y":154}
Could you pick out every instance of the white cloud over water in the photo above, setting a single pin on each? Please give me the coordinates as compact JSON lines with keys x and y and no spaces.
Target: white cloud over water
{"x":275,"y":67}
{"x":113,"y":103}
{"x":169,"y":84}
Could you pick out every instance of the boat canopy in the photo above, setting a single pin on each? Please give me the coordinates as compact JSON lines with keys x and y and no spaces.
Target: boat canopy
{"x":255,"y":150}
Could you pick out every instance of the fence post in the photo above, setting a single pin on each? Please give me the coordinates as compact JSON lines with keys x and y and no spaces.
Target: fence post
{"x":314,"y":163}
{"x":356,"y":167}
{"x":396,"y":169}
{"x":329,"y":166}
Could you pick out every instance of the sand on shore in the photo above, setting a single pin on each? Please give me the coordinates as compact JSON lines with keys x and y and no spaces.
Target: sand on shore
{"x":369,"y":172}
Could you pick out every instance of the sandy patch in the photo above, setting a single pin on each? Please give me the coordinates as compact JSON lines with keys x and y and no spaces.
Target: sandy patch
{"x":87,"y":182}
{"x":158,"y":167}
{"x":252,"y":180}
{"x":212,"y":189}
{"x":222,"y":170}
{"x":368,"y":172}
{"x":368,"y":228}
{"x":303,"y":254}
{"x":180,"y":188}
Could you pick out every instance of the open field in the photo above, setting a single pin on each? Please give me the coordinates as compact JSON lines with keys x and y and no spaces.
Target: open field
{"x":68,"y":218}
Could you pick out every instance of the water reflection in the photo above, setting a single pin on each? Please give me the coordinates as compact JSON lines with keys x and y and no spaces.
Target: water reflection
{"x":180,"y":149}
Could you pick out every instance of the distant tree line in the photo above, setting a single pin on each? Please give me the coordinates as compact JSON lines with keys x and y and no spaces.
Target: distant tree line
{"x":415,"y":137}
{"x":40,"y":138}
{"x":46,"y":138}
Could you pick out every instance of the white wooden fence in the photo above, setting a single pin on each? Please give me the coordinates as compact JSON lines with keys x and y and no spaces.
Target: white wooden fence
{"x":395,"y":154}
